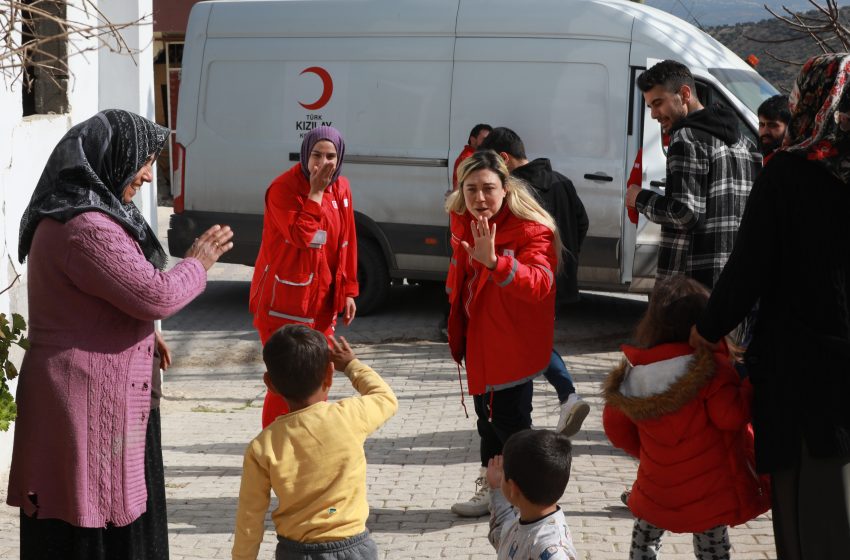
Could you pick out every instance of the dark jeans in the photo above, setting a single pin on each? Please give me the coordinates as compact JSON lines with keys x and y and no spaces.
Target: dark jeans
{"x":559,"y":378}
{"x":508,"y":413}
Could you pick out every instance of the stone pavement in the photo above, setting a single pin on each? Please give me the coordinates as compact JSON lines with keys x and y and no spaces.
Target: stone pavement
{"x":423,"y":460}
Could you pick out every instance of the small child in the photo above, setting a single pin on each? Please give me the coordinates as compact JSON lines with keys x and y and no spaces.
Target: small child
{"x":685,"y":415}
{"x":312,"y":457}
{"x":531,"y":475}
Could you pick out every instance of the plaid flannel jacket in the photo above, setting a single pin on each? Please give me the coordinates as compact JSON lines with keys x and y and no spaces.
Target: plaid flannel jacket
{"x":708,"y":182}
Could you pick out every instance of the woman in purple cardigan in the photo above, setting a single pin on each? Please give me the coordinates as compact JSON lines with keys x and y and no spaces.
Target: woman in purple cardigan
{"x":96,"y":284}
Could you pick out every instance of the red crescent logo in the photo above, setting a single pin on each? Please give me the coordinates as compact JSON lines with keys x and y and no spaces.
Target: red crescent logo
{"x":327,"y":88}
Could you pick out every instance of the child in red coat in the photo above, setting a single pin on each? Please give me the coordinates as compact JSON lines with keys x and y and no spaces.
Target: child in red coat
{"x":685,"y":415}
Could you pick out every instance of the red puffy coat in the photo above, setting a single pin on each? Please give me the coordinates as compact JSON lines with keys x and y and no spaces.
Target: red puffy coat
{"x":502,"y":321}
{"x":292,"y":278}
{"x":686,"y":417}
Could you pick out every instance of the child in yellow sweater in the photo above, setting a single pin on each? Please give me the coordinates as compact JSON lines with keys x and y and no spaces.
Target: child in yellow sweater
{"x":313,"y":456}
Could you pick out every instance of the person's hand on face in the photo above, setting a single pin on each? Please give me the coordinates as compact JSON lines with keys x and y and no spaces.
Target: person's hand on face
{"x":322,"y":164}
{"x":143,"y":175}
{"x":484,"y":237}
{"x":211,"y":245}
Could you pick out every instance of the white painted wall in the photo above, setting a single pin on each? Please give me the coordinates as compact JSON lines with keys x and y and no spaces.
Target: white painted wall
{"x":98,"y":81}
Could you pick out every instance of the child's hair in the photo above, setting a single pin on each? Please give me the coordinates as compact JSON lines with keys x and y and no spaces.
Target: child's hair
{"x":538,"y":461}
{"x":296,"y":358}
{"x":675,"y":305}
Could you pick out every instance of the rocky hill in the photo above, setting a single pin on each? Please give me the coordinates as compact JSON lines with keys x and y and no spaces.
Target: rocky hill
{"x":743,"y":39}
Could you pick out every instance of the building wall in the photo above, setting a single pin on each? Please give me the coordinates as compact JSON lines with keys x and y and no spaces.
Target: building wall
{"x":99,"y":80}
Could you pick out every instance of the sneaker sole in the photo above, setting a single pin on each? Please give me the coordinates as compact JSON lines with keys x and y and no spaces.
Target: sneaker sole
{"x":470,"y":513}
{"x":575,"y":419}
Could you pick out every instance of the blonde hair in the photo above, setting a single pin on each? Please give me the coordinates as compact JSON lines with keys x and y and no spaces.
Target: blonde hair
{"x":519,"y":198}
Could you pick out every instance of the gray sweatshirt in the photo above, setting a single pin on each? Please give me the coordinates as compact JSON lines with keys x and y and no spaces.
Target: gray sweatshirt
{"x":546,"y":539}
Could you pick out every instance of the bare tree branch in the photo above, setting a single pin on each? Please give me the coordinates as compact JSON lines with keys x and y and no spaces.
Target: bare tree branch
{"x":31,"y":30}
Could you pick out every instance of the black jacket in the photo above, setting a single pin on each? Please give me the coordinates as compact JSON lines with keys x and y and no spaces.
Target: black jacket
{"x":558,"y":196}
{"x":792,"y":254}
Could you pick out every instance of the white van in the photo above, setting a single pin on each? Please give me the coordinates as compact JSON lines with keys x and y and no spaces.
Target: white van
{"x":405,"y":81}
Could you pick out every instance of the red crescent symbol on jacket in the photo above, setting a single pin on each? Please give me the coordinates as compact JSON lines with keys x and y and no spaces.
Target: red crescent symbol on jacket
{"x":327,"y":88}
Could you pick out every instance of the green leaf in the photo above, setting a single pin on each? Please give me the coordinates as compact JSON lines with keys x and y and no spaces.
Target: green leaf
{"x":11,"y":371}
{"x":8,"y":409}
{"x":24,"y":343}
{"x":18,"y":322}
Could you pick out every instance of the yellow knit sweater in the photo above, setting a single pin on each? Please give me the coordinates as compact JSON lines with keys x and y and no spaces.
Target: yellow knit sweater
{"x":313,"y":459}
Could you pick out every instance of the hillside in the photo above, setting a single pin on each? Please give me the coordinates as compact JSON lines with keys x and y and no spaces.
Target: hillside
{"x":739,"y":38}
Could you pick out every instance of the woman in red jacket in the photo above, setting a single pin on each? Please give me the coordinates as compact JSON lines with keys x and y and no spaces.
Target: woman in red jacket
{"x":502,"y":296}
{"x":685,"y":415}
{"x":306,"y":270}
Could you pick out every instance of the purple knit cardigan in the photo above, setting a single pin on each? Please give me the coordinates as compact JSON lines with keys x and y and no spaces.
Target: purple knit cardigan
{"x":84,"y":390}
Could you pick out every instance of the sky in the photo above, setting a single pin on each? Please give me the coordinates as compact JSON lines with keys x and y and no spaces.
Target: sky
{"x":722,"y":12}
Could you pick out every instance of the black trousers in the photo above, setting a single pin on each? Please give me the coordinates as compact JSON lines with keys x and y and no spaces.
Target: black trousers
{"x":811,"y":509}
{"x":508,"y":413}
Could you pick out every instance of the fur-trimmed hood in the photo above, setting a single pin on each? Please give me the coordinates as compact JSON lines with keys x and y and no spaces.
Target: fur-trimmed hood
{"x":654,"y":382}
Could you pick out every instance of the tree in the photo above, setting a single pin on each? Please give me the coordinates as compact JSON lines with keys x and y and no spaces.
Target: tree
{"x":36,"y":37}
{"x":823,"y":26}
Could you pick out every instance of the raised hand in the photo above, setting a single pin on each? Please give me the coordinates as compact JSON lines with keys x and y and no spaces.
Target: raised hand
{"x":211,"y":245}
{"x":495,"y":472}
{"x":484,"y":237}
{"x":341,"y":353}
{"x":320,"y":177}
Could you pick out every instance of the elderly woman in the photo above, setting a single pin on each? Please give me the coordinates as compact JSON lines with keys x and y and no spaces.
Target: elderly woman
{"x":791,"y":255}
{"x":306,"y":271}
{"x":85,"y":428}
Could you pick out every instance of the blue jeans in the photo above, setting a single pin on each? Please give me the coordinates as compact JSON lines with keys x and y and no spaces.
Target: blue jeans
{"x":559,"y":378}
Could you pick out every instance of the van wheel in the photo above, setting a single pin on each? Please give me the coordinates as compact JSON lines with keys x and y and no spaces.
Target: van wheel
{"x":373,"y":277}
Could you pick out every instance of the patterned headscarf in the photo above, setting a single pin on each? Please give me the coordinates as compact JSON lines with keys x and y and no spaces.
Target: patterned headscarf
{"x":819,"y":94}
{"x":315,"y":136}
{"x":88,"y":171}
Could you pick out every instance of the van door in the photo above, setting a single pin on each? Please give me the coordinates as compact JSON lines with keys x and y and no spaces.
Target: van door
{"x":568,"y":100}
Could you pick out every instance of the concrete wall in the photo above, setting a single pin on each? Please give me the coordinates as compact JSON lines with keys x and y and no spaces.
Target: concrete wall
{"x":99,"y":80}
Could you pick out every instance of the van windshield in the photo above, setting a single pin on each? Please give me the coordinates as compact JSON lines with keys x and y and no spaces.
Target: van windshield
{"x":746,"y":85}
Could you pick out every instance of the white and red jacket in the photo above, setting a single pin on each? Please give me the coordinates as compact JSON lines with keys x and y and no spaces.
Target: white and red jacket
{"x":292,"y":278}
{"x":502,"y":321}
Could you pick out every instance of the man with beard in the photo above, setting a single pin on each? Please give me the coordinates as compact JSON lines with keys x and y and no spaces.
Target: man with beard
{"x":773,"y":121}
{"x":710,"y":171}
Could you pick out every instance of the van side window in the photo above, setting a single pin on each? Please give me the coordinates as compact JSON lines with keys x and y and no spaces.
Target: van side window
{"x":708,"y":95}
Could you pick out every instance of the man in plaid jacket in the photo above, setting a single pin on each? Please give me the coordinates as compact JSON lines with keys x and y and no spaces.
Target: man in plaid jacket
{"x":710,"y":170}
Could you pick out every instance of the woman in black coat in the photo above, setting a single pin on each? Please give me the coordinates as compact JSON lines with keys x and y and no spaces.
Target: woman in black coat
{"x":792,"y":254}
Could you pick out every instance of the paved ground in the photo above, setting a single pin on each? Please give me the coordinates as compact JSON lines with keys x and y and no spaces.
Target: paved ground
{"x":420,"y":462}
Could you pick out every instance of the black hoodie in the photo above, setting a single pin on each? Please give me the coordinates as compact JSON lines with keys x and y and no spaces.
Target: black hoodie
{"x":558,"y":196}
{"x":716,"y":120}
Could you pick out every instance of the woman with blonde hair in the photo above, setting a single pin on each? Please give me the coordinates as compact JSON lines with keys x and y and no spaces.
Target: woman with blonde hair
{"x":502,"y":295}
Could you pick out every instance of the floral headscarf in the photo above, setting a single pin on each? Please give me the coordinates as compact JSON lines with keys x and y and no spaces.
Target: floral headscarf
{"x":819,"y":94}
{"x":88,"y":171}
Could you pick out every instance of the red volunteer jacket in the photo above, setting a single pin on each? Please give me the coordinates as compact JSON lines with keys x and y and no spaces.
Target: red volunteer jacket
{"x":686,"y":417}
{"x":502,"y":321}
{"x":291,"y":277}
{"x":465,"y":153}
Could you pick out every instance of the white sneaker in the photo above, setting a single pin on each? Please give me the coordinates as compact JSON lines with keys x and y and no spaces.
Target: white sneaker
{"x":479,"y":504}
{"x":573,"y":412}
